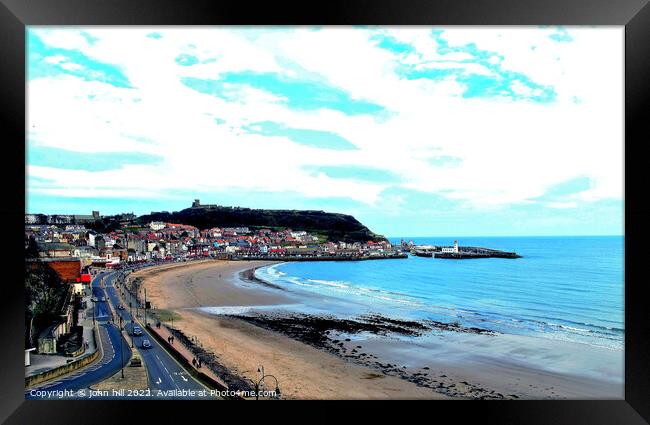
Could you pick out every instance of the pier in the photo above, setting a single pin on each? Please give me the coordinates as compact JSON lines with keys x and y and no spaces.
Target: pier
{"x":460,"y":252}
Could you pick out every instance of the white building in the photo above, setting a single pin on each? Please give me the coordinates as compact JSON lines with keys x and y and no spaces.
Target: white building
{"x":31,"y":218}
{"x":91,"y":238}
{"x":156,"y":225}
{"x":451,"y":250}
{"x":28,"y":360}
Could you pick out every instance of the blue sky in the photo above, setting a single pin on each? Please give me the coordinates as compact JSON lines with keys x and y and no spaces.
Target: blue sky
{"x":415,"y":131}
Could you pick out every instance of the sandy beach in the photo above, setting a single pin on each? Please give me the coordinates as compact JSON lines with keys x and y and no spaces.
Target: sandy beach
{"x":312,"y":361}
{"x":304,"y":372}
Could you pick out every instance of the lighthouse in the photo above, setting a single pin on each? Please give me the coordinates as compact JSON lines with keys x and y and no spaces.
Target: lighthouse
{"x":456,"y":247}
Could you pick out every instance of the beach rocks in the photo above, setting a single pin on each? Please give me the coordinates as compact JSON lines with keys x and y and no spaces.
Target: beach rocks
{"x":318,"y":331}
{"x":315,"y":330}
{"x":249,"y":275}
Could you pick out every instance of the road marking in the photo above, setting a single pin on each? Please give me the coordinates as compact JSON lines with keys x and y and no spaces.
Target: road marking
{"x":159,"y":381}
{"x":165,"y":351}
{"x":163,"y":364}
{"x":51,"y":385}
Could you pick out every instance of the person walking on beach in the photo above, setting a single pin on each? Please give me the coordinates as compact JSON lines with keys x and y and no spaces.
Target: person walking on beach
{"x":194,"y":361}
{"x":172,"y":337}
{"x":199,"y":363}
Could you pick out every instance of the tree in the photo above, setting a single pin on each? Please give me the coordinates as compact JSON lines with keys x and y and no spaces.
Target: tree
{"x":43,"y":294}
{"x":32,"y":248}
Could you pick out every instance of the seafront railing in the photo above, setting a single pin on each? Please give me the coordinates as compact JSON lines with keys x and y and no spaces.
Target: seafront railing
{"x":209,"y":360}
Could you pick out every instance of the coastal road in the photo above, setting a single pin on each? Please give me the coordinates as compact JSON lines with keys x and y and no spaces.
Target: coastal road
{"x":165,"y":373}
{"x":110,"y":363}
{"x":102,"y":312}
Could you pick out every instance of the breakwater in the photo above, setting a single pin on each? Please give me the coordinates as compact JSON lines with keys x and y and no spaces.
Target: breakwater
{"x":469,"y":255}
{"x":462,"y":252}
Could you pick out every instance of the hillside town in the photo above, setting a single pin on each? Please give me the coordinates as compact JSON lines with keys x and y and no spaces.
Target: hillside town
{"x":159,"y":241}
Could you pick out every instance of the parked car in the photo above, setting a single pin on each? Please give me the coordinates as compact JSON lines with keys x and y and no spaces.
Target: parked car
{"x":146,"y":344}
{"x":103,"y":299}
{"x":120,"y":307}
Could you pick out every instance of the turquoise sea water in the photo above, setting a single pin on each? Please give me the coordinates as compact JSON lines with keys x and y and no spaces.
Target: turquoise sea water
{"x":564,"y":288}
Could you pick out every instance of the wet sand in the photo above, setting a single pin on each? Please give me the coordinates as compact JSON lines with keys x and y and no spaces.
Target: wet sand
{"x":321,"y":357}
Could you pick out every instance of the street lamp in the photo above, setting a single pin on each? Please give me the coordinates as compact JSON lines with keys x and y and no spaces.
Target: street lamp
{"x":121,"y":347}
{"x":131,"y":307}
{"x":145,"y":307}
{"x":260,"y":382}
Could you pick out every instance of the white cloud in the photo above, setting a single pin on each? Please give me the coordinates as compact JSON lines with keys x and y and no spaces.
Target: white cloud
{"x":62,"y":39}
{"x":509,"y":151}
{"x":56,"y":59}
{"x":562,"y":205}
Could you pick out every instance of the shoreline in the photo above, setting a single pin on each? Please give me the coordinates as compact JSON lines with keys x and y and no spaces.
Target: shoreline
{"x":249,"y":275}
{"x":353,"y":350}
{"x":304,"y":371}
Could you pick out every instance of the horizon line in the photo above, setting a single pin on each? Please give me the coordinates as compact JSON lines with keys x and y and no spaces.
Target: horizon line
{"x":510,"y":236}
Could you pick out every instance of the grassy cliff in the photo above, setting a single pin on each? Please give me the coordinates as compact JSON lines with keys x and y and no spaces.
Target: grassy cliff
{"x":335,"y":227}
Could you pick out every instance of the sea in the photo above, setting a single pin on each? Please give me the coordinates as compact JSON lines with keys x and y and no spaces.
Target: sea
{"x":564,"y":291}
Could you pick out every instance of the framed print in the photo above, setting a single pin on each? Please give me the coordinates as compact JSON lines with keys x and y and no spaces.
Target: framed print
{"x":363,"y":201}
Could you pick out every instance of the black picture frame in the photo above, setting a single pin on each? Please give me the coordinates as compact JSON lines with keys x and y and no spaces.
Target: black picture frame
{"x":15,"y":15}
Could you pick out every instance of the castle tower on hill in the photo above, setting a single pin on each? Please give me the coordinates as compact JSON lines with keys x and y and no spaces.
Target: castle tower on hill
{"x":197,"y":204}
